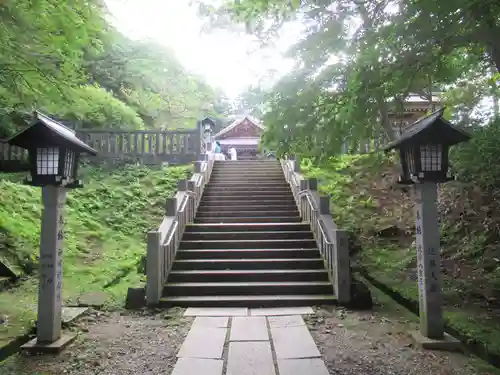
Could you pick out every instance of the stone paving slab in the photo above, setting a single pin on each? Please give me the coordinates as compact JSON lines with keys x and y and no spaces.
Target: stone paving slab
{"x":294,"y":342}
{"x":212,"y":311}
{"x":69,"y":314}
{"x":198,"y":366}
{"x":251,"y":328}
{"x":270,"y":311}
{"x":211,"y":322}
{"x":250,"y":358}
{"x":203,"y":342}
{"x":304,"y":366}
{"x":286,"y":321}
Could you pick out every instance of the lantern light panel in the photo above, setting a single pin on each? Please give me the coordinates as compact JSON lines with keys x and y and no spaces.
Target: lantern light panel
{"x":431,"y":157}
{"x":47,"y":161}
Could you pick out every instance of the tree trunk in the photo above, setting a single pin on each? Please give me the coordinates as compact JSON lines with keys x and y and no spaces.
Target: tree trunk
{"x":384,"y":119}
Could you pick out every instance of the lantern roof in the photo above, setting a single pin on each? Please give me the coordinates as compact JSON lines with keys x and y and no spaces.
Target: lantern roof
{"x":45,"y":131}
{"x":431,"y":129}
{"x":209,"y":120}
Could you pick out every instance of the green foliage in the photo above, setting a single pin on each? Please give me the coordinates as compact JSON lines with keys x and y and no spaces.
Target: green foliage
{"x":105,"y":231}
{"x":94,"y":107}
{"x":64,"y":58}
{"x":358,"y":61}
{"x":477,"y":160}
{"x":149,"y":79}
{"x":365,"y":201}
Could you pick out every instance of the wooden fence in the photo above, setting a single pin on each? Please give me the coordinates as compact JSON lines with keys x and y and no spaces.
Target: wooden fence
{"x":122,"y":146}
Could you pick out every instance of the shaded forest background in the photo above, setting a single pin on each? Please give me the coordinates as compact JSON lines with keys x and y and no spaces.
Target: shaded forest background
{"x":66,"y":59}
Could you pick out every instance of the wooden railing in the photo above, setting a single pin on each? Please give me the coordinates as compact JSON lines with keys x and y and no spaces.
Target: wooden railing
{"x":12,"y":158}
{"x":147,"y":146}
{"x":332,"y":242}
{"x":163,"y":243}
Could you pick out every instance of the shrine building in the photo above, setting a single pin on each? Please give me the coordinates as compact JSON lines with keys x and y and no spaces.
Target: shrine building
{"x":244,"y":135}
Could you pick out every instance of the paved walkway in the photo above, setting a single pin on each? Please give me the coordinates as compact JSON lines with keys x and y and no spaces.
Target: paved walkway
{"x":240,"y":341}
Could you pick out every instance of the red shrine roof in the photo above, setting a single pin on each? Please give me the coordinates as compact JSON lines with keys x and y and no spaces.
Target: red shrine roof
{"x":246,"y":127}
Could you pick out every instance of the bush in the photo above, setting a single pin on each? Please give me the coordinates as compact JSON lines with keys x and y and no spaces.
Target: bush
{"x":477,"y":160}
{"x":94,"y":107}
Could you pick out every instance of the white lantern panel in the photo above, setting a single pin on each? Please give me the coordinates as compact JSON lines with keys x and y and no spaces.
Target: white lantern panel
{"x":207,"y":127}
{"x":69,"y":162}
{"x":47,"y":161}
{"x":431,"y":158}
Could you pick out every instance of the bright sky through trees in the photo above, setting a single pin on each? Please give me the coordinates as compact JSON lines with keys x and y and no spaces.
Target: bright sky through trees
{"x":226,"y":59}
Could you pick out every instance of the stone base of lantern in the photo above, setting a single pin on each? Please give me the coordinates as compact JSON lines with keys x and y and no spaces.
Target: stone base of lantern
{"x":447,"y":343}
{"x":35,"y":347}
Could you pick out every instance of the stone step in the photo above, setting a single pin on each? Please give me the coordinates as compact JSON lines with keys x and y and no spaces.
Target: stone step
{"x":247,"y":236}
{"x":247,"y":288}
{"x":241,"y":180}
{"x":249,"y":244}
{"x":214,"y":200}
{"x":250,"y":301}
{"x":249,"y":173}
{"x":248,"y":264}
{"x":251,"y":168}
{"x":247,"y":193}
{"x":248,"y":214}
{"x":262,"y":185}
{"x":247,"y":227}
{"x":247,"y":253}
{"x":244,"y":206}
{"x":248,"y":275}
{"x":239,"y":162}
{"x":247,"y":220}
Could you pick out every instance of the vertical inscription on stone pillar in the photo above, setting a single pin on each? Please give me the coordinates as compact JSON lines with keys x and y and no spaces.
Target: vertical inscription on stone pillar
{"x":51,"y":249}
{"x":58,"y":262}
{"x":428,"y":260}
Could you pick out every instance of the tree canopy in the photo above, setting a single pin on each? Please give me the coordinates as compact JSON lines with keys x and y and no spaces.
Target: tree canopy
{"x":357,"y":61}
{"x":66,"y":59}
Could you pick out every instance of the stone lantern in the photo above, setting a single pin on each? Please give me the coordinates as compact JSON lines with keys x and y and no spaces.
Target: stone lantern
{"x":54,"y":153}
{"x":423,"y":151}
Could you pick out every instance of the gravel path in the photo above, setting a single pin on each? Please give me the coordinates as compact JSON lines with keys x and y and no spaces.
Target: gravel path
{"x":367,"y":343}
{"x":113,"y":344}
{"x":361,"y":343}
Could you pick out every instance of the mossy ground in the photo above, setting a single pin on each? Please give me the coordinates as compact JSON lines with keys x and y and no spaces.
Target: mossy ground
{"x":366,"y":200}
{"x":105,"y":231}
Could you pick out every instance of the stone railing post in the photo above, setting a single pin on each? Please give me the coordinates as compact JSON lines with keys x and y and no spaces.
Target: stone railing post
{"x":296,"y":165}
{"x":197,"y":166}
{"x":154,"y":272}
{"x":303,"y":185}
{"x":182,"y":185}
{"x":155,"y":261}
{"x":171,"y":206}
{"x":341,"y":272}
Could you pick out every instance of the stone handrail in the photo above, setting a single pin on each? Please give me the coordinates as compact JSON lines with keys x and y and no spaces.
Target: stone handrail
{"x":332,"y":242}
{"x":163,"y":243}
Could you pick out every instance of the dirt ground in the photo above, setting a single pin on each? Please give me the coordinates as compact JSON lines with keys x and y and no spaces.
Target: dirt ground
{"x":369,"y":344}
{"x":363,"y":343}
{"x":113,"y":344}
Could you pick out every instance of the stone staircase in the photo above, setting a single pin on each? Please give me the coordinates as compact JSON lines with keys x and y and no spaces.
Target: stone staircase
{"x":248,"y":245}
